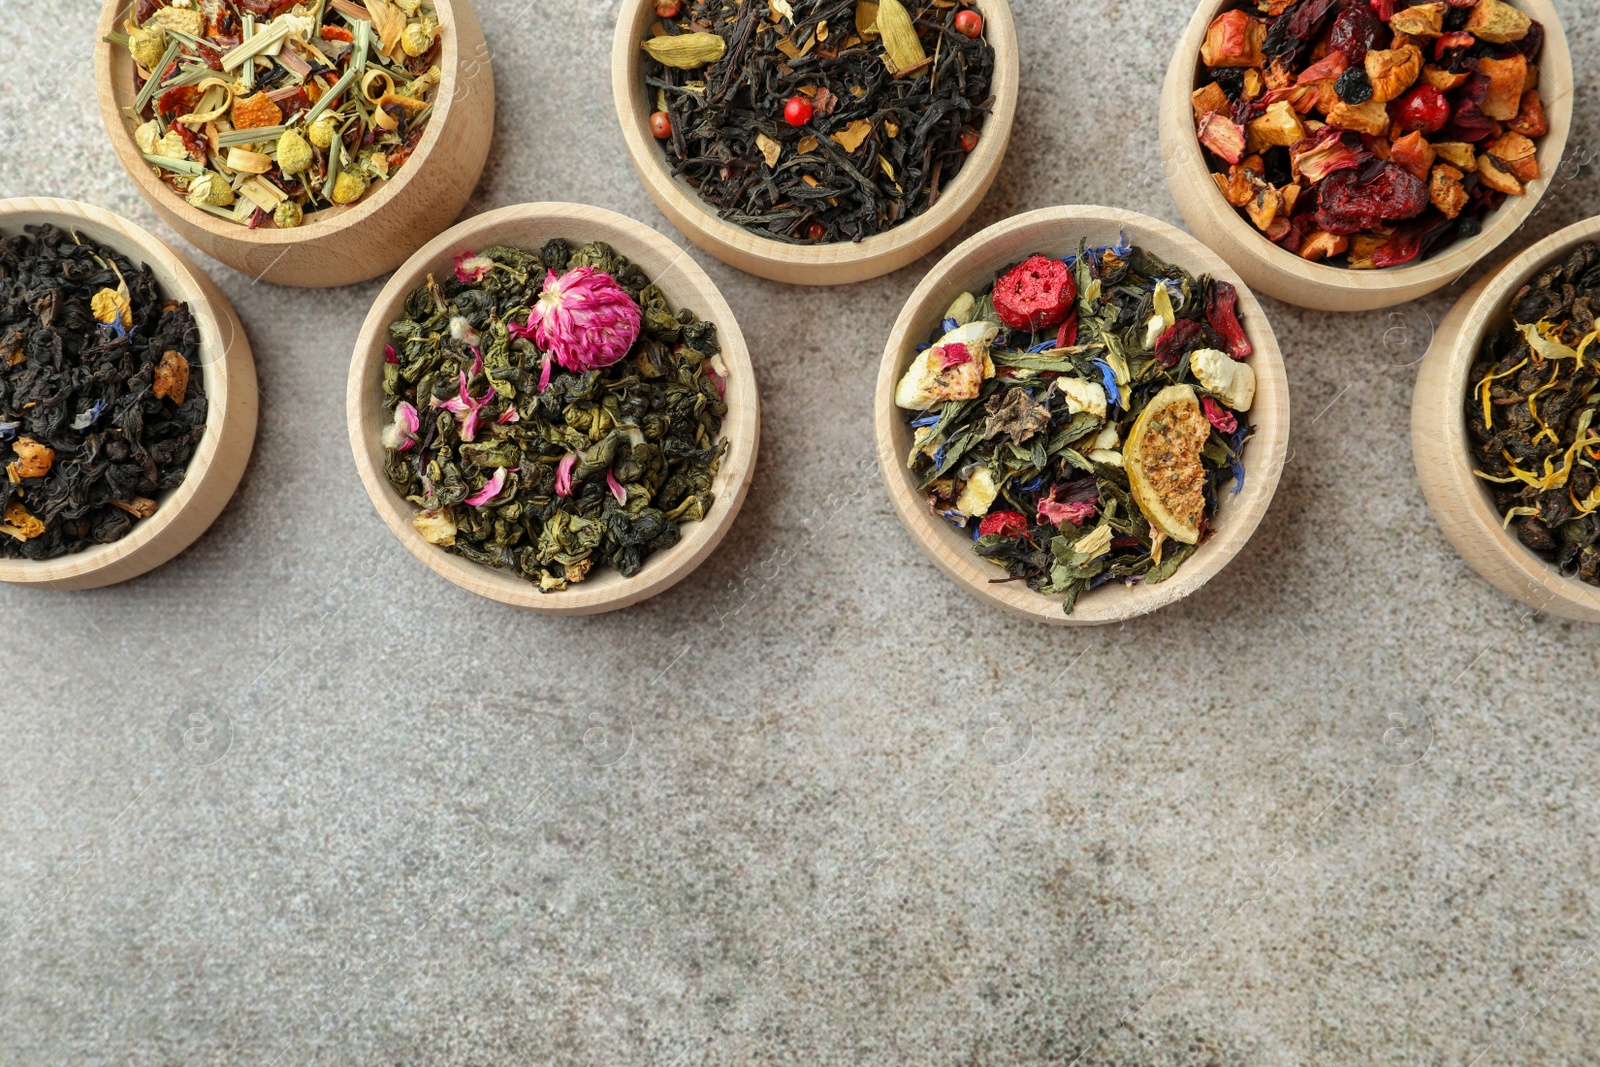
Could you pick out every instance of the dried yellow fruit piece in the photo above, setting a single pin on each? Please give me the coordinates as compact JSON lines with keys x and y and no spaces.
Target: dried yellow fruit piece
{"x":686,"y":51}
{"x":20,"y":524}
{"x":770,"y":149}
{"x":851,"y":136}
{"x":1162,"y":458}
{"x":34,"y":458}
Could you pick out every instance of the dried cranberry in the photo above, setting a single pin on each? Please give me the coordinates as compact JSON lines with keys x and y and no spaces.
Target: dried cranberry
{"x":1181,"y":338}
{"x":1222,"y":313}
{"x":1356,"y":32}
{"x":1353,"y":86}
{"x":1038,"y":294}
{"x":1004,"y":523}
{"x":1355,"y":200}
{"x":1423,"y":108}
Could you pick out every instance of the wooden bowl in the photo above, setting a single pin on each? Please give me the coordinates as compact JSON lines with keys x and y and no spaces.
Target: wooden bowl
{"x":1282,"y":274}
{"x":339,"y":245}
{"x":1460,"y":501}
{"x":226,"y":369}
{"x":832,"y":264}
{"x":971,"y":267}
{"x":685,"y":284}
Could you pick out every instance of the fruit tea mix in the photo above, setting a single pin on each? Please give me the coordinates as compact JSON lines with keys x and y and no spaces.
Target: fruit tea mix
{"x":1531,"y":415}
{"x":552,"y":413}
{"x":1082,"y":416}
{"x":818,"y":121}
{"x":261,"y":110}
{"x":1371,"y":133}
{"x":98,"y":410}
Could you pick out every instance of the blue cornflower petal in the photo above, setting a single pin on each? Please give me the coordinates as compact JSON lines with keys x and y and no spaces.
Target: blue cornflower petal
{"x":1044,"y":346}
{"x":1238,"y":475}
{"x":87,"y":419}
{"x":948,"y":324}
{"x":926,"y":420}
{"x":8,"y":430}
{"x":1108,"y":378}
{"x":938,"y":457}
{"x":1030,"y":486}
{"x":924,"y":347}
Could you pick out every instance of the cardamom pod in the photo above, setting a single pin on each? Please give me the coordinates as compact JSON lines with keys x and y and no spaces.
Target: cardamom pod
{"x":899,"y":35}
{"x":689,"y":50}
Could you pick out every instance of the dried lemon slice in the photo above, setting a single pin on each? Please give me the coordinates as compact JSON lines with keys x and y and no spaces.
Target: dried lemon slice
{"x":1162,"y":458}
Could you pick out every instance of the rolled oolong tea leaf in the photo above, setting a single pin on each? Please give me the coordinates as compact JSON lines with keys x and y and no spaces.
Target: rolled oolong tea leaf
{"x":1091,"y":442}
{"x":551,"y":413}
{"x":1531,"y":415}
{"x":101,"y":398}
{"x":264,"y":111}
{"x":818,"y":121}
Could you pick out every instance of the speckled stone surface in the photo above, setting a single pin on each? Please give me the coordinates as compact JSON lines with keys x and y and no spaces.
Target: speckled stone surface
{"x":754,"y":821}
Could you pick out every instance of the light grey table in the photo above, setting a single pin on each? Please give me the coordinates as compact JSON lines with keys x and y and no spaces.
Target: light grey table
{"x":782,"y":842}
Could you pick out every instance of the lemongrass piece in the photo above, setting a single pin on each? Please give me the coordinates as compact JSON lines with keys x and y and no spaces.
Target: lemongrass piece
{"x":257,"y":45}
{"x":154,"y":80}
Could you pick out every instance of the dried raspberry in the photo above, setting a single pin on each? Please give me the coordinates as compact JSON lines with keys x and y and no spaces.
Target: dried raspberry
{"x":1423,"y":109}
{"x":1004,"y":523}
{"x":1037,"y":295}
{"x":1351,"y":201}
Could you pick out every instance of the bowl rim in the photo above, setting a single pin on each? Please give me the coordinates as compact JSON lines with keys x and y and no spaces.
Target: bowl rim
{"x":225,"y":350}
{"x":607,"y":590}
{"x":114,"y":93}
{"x":982,"y":253}
{"x":1185,"y":158}
{"x":1459,"y":501}
{"x":956,"y":203}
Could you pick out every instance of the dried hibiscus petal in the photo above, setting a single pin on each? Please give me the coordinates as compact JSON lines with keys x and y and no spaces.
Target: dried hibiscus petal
{"x":1356,"y":32}
{"x":1223,"y":315}
{"x":1181,"y":338}
{"x":1224,"y":420}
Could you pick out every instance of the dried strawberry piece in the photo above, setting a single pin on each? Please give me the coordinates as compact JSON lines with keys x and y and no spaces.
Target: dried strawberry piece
{"x":1181,"y":338}
{"x":1038,"y":294}
{"x":1351,"y":201}
{"x":1004,"y":523}
{"x":954,"y":355}
{"x":1356,"y":32}
{"x":1223,"y":315}
{"x":1446,"y":42}
{"x":1423,"y":109}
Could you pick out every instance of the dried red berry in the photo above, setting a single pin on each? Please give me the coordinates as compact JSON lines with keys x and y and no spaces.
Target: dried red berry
{"x":798,"y":111}
{"x":969,"y":139}
{"x":1181,"y":338}
{"x":1350,"y":201}
{"x":1004,"y":523}
{"x":969,"y":23}
{"x":661,"y":125}
{"x":1223,"y":315}
{"x":668,"y":9}
{"x":1356,"y":32}
{"x":816,"y":231}
{"x":1423,"y":109}
{"x":1036,"y":295}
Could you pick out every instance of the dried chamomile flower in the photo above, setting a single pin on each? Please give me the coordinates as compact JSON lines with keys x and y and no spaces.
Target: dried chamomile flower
{"x":349,"y":186}
{"x":418,"y":37}
{"x":288,"y":215}
{"x":294,"y":152}
{"x":210,"y":188}
{"x":323,"y":130}
{"x":147,"y":45}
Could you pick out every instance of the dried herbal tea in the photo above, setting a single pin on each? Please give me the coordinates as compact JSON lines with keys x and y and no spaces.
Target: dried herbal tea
{"x":99,"y":411}
{"x":1082,"y":416}
{"x":262,"y":111}
{"x":818,"y":121}
{"x":1370,"y":133}
{"x":551,"y":412}
{"x":1530,"y":414}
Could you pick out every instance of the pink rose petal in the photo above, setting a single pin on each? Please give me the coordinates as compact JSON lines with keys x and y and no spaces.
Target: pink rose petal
{"x":1220,"y":417}
{"x":616,"y":487}
{"x":490,"y":490}
{"x":564,"y":474}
